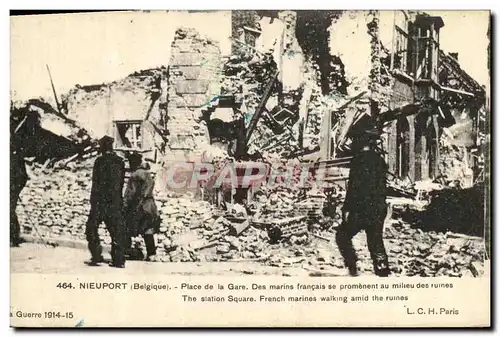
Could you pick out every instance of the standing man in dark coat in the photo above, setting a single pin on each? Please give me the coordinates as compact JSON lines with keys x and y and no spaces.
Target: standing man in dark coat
{"x":364,"y":205}
{"x":18,"y":180}
{"x":23,"y":132}
{"x":139,"y":205}
{"x":106,"y":205}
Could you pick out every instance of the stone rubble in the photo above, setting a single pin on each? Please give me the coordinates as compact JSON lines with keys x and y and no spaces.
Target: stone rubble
{"x":56,"y":202}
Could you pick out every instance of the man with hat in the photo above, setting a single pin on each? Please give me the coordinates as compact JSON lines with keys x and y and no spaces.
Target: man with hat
{"x":24,"y":126}
{"x":364,"y":206}
{"x":139,"y":205}
{"x":106,"y":205}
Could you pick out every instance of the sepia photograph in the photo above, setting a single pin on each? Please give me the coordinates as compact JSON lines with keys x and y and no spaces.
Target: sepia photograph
{"x":243,"y":143}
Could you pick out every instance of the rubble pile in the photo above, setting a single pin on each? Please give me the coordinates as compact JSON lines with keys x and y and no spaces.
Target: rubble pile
{"x":56,"y":201}
{"x":446,"y":211}
{"x":312,"y":128}
{"x":280,"y":202}
{"x":57,"y":137}
{"x":317,"y":108}
{"x":50,"y":119}
{"x":248,"y":77}
{"x":413,"y":252}
{"x":453,"y":166}
{"x":57,"y":204}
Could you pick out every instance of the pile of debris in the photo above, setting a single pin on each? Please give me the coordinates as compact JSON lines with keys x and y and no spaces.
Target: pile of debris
{"x":287,"y":229}
{"x":55,"y":203}
{"x":414,"y":252}
{"x":247,"y":79}
{"x":55,"y":200}
{"x":454,"y":164}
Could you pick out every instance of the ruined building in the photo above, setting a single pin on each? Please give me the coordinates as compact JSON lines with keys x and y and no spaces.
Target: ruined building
{"x":336,"y":69}
{"x":296,"y":85}
{"x":431,"y":94}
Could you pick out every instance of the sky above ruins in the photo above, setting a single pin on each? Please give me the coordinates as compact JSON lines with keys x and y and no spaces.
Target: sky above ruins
{"x":94,"y":48}
{"x":465,"y":33}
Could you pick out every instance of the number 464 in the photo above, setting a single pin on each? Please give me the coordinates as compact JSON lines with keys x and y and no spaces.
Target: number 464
{"x":64,"y":285}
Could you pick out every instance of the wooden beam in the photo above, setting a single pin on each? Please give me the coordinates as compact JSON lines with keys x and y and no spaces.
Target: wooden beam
{"x":58,"y":106}
{"x":461,"y":92}
{"x":253,"y":30}
{"x":258,"y":112}
{"x":20,"y":124}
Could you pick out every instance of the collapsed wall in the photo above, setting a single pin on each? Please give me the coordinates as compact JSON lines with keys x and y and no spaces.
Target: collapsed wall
{"x":319,"y":72}
{"x":348,"y":79}
{"x":45,"y":134}
{"x":135,"y":98}
{"x":193,"y":85}
{"x":313,"y":34}
{"x":454,"y":164}
{"x":310,"y":79}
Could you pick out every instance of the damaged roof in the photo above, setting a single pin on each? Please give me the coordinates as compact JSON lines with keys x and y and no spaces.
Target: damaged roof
{"x":449,"y":65}
{"x":56,"y":135}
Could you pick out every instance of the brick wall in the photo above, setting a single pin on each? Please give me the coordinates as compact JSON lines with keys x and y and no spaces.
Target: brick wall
{"x":194,"y":80}
{"x":401,"y":95}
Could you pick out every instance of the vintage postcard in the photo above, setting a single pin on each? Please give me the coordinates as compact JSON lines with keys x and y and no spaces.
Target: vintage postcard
{"x":250,"y":168}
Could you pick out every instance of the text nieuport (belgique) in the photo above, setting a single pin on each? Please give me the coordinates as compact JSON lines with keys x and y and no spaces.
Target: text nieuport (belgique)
{"x":122,"y":286}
